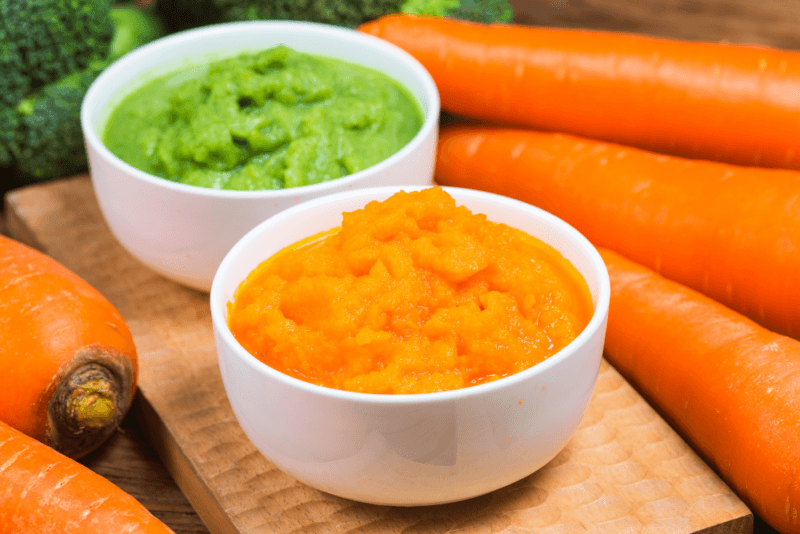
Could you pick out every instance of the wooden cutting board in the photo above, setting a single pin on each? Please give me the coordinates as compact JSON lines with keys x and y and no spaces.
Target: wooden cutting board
{"x":624,"y":471}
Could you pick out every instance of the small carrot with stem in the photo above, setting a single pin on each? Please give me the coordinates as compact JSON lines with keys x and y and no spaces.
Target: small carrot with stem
{"x":68,"y":364}
{"x":43,"y":491}
{"x":732,"y":233}
{"x":729,"y":386}
{"x":733,"y":103}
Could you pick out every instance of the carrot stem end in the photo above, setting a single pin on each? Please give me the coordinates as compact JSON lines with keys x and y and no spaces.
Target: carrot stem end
{"x":91,"y":404}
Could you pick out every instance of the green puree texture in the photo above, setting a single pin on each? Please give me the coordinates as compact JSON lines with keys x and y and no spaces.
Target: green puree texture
{"x":269,"y":120}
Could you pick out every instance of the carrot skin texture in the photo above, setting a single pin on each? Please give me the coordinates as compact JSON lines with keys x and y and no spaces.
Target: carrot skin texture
{"x":731,"y":387}
{"x":732,"y":233}
{"x":42,"y":490}
{"x":733,"y":103}
{"x":54,"y":327}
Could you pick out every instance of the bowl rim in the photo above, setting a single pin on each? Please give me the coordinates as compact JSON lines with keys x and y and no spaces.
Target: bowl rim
{"x":128,"y":62}
{"x":223,"y":333}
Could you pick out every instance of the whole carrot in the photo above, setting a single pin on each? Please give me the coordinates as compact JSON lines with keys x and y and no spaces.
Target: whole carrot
{"x":732,"y":233}
{"x":43,"y":491}
{"x":730,"y":387}
{"x":733,"y":103}
{"x":68,"y":364}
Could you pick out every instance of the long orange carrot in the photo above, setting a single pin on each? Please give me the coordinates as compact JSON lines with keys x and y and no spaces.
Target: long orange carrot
{"x":732,"y":233}
{"x":43,"y":491}
{"x":68,"y":364}
{"x":734,"y":103}
{"x":730,"y":387}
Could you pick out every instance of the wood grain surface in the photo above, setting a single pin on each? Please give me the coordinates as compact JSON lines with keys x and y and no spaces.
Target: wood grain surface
{"x":625,"y":470}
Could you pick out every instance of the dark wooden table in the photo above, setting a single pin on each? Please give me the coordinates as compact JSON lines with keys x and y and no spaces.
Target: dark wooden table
{"x":131,"y":463}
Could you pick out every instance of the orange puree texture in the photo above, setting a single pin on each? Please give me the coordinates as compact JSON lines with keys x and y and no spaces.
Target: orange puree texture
{"x":411,"y":295}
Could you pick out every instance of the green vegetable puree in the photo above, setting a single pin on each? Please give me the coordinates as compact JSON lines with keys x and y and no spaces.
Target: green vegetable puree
{"x":270,"y":120}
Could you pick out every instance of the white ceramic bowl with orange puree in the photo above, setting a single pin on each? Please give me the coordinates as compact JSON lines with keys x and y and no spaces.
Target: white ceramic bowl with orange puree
{"x":421,"y":449}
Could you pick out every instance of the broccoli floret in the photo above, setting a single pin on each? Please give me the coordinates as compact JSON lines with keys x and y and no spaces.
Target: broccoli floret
{"x":474,"y":10}
{"x":41,"y":134}
{"x":50,"y":140}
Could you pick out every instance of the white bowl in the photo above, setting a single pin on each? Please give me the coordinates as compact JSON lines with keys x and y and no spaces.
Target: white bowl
{"x":183,"y":231}
{"x":410,"y":450}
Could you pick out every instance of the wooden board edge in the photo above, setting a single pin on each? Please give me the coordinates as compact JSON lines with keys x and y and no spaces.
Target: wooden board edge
{"x":740,"y":525}
{"x":185,"y":475}
{"x":14,"y":227}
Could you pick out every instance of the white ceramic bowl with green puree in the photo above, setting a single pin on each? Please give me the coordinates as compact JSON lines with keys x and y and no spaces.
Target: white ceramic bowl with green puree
{"x":184,"y":231}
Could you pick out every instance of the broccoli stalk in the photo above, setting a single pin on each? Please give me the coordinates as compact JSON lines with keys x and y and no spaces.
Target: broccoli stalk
{"x":133,"y":27}
{"x":46,"y":140}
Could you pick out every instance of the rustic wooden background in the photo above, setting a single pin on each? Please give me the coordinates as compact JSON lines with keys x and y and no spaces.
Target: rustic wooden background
{"x":765,"y":22}
{"x":131,"y":463}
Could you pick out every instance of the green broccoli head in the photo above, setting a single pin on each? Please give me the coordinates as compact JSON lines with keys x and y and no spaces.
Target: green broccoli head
{"x":44,"y":40}
{"x":40,"y":42}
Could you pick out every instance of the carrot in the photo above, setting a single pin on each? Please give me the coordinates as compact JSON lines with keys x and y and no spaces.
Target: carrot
{"x":729,"y":386}
{"x":42,"y":491}
{"x":733,"y":103}
{"x":732,"y":233}
{"x":68,"y":364}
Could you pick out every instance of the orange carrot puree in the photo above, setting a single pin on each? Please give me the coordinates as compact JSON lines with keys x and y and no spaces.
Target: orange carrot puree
{"x":411,"y":295}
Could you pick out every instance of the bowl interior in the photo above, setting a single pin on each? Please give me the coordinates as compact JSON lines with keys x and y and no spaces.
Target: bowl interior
{"x":200,"y":46}
{"x":312,"y":217}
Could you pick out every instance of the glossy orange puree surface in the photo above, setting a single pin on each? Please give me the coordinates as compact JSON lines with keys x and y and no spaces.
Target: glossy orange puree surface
{"x":411,"y":295}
